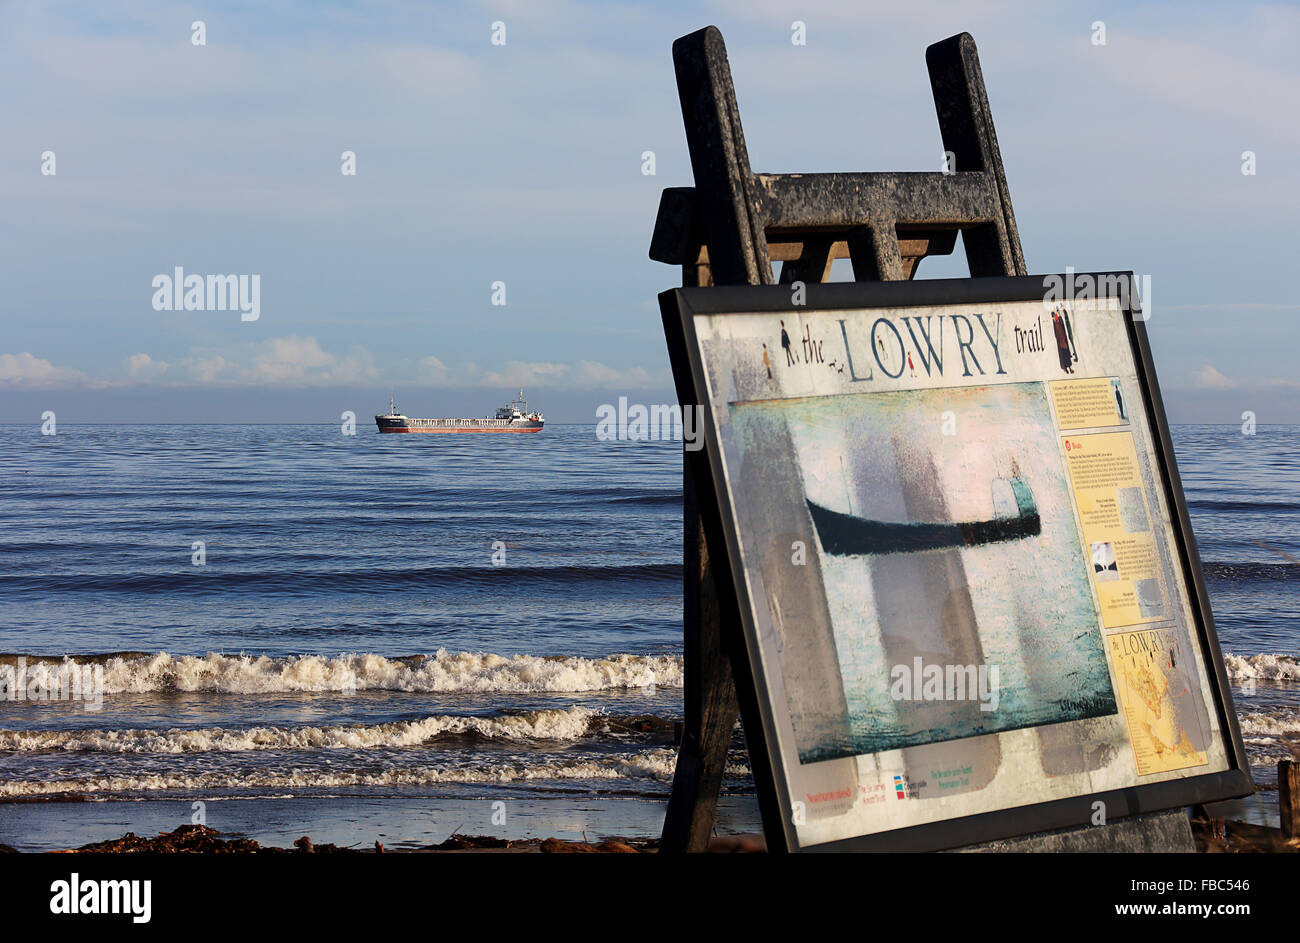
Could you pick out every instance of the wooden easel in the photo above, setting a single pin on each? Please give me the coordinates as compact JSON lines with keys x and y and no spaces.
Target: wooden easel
{"x":728,"y":230}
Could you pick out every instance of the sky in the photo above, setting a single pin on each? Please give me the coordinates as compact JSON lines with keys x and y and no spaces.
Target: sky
{"x":478,"y":163}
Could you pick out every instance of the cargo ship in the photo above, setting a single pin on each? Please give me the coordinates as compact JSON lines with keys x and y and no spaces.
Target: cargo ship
{"x":513,"y":417}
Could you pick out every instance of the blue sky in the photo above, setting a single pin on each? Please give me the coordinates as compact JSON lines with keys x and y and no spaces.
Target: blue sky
{"x":522,"y":163}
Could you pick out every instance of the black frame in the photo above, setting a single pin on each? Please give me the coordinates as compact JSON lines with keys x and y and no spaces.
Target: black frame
{"x":679,"y":306}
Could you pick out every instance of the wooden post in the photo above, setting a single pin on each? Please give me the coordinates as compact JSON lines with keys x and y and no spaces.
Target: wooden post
{"x":709,"y":694}
{"x":1288,"y":797}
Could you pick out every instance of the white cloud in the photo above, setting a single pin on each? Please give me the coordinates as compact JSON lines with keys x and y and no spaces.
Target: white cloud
{"x":589,"y":372}
{"x":26,"y":371}
{"x":583,"y":375}
{"x":518,"y":373}
{"x":356,"y":366}
{"x":206,"y":369}
{"x":291,"y":358}
{"x":434,"y":369}
{"x":1212,"y":379}
{"x":143,"y":367}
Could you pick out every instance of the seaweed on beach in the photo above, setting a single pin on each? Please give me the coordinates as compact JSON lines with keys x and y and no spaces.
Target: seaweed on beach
{"x":200,"y":839}
{"x":187,"y":839}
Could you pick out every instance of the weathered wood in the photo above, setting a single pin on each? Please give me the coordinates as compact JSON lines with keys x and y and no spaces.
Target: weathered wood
{"x":915,"y":245}
{"x":966,"y":126}
{"x":679,"y":239}
{"x":724,"y":185}
{"x":876,"y":257}
{"x":798,"y":201}
{"x":813,"y":264}
{"x":1288,"y":796}
{"x":725,"y":218}
{"x":709,"y":691}
{"x":728,"y":230}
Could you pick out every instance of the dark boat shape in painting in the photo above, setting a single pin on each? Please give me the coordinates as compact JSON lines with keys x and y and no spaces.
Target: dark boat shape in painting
{"x":846,"y":534}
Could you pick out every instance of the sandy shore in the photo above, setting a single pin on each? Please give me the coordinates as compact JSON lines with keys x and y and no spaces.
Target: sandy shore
{"x":199,"y":839}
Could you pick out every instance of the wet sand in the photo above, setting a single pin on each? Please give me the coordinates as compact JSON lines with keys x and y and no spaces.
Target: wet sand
{"x":357,"y":822}
{"x":199,"y":839}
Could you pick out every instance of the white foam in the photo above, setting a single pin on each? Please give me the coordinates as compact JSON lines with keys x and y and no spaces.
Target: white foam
{"x":1263,"y":667}
{"x":655,"y":764}
{"x":452,"y":672}
{"x":442,"y":672}
{"x":558,"y":724}
{"x":1283,"y":723}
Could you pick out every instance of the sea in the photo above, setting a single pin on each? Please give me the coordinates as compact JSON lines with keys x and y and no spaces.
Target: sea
{"x":366,"y":638}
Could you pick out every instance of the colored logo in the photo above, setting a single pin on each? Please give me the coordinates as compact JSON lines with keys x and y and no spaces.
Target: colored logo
{"x":898,"y":787}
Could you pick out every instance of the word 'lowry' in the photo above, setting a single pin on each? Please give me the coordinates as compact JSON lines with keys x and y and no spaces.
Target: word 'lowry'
{"x":974,"y":346}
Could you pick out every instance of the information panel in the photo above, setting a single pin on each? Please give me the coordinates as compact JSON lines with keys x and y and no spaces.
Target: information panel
{"x":959,"y":555}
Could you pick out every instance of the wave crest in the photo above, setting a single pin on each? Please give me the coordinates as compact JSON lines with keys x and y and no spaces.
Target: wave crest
{"x":1271,"y":725}
{"x":1263,"y":667}
{"x":548,"y":724}
{"x":442,"y":672}
{"x":655,"y":765}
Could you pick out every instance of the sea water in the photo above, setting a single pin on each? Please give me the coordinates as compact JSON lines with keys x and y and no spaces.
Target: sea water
{"x":396,"y":638}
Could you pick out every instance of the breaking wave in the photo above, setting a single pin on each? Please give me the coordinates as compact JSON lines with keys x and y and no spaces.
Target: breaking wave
{"x":1263,"y":667}
{"x":442,"y":672}
{"x":656,"y":765}
{"x":1282,"y":724}
{"x":562,"y":724}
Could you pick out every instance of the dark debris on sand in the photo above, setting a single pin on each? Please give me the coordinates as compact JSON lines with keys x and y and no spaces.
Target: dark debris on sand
{"x":614,"y":846}
{"x":200,"y":839}
{"x":1224,"y":836}
{"x":549,"y":846}
{"x":471,"y":843}
{"x":186,"y":839}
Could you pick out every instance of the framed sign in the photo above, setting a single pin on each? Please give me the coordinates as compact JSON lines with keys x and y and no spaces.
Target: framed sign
{"x":969,"y":591}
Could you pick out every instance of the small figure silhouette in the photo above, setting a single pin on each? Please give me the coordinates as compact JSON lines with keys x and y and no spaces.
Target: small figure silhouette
{"x":785,"y":344}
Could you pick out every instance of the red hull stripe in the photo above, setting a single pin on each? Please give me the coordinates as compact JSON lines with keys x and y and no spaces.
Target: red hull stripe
{"x":453,"y":431}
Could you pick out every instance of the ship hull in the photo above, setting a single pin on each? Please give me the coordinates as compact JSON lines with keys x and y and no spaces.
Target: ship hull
{"x":437,"y":426}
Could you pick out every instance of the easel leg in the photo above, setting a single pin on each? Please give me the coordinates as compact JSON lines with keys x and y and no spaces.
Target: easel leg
{"x":709,"y":689}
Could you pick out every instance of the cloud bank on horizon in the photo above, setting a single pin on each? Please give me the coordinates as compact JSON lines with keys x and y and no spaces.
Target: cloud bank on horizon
{"x":494,"y":232}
